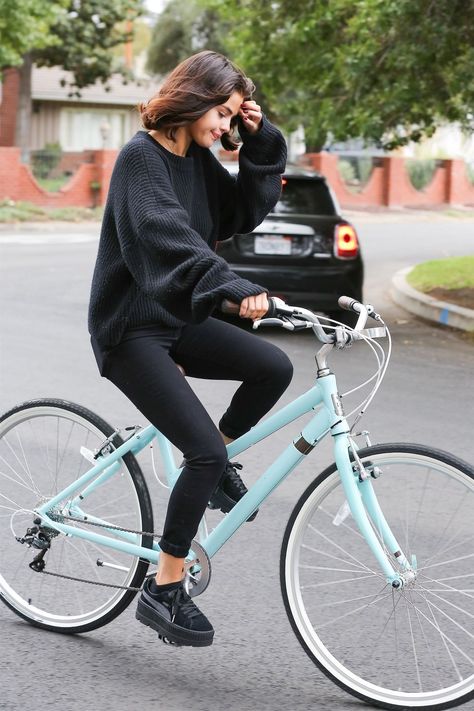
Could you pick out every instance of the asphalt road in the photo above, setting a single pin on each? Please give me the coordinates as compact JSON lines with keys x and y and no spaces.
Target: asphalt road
{"x":256,"y":662}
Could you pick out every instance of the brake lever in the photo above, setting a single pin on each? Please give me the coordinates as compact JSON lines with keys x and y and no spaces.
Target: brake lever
{"x":267,"y":322}
{"x":288,"y":322}
{"x":372,"y":312}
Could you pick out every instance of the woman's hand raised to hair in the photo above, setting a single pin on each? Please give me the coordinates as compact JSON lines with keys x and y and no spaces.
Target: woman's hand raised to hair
{"x":251,"y":115}
{"x":254,"y":306}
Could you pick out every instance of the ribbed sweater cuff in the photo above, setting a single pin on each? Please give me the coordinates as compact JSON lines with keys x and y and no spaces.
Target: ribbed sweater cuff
{"x":264,"y":148}
{"x":266,"y":132}
{"x":240,"y":289}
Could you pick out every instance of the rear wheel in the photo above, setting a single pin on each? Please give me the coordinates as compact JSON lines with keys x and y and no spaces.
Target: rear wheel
{"x":45,"y":445}
{"x":406,"y":648}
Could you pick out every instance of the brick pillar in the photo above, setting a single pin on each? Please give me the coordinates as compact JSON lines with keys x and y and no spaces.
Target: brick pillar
{"x":394,"y":181}
{"x":324,"y":163}
{"x":10,"y":172}
{"x":459,"y":191}
{"x":9,"y":106}
{"x":104,"y":161}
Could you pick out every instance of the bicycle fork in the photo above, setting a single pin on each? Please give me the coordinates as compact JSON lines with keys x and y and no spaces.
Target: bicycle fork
{"x":359,"y":492}
{"x":368,"y":515}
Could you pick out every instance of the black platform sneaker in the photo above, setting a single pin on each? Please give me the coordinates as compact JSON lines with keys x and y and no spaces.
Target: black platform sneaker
{"x":229,"y":490}
{"x":170,"y":611}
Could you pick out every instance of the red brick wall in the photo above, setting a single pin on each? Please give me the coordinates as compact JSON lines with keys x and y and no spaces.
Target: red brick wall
{"x":388,"y":185}
{"x":17,"y":181}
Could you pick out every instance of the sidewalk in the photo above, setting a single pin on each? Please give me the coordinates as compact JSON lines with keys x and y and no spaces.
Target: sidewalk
{"x":49,"y":226}
{"x":425,"y":306}
{"x":402,"y":215}
{"x":53,"y":232}
{"x":406,"y":214}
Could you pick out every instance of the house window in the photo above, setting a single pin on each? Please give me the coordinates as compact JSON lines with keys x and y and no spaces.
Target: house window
{"x":80,"y":129}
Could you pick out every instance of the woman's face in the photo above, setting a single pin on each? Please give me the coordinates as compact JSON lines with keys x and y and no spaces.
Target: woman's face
{"x":216,"y":121}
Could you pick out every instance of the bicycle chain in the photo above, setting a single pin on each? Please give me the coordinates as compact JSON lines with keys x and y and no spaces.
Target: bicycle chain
{"x":95,"y":582}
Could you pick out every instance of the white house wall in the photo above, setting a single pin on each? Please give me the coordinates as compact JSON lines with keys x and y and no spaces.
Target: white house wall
{"x":78,"y":127}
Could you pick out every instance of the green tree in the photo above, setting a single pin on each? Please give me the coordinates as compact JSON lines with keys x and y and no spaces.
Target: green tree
{"x":84,"y":34}
{"x":25,"y":24}
{"x":87,"y":34}
{"x":389,"y":71}
{"x":183,"y":28}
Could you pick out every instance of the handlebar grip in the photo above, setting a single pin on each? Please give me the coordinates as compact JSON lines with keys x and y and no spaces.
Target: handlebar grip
{"x":348,"y":304}
{"x":228,"y":307}
{"x":272,"y":309}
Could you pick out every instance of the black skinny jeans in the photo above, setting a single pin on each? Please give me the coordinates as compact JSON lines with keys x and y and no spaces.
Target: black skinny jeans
{"x":143,"y":366}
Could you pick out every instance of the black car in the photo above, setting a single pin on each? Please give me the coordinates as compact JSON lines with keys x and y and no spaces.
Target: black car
{"x":304,"y":251}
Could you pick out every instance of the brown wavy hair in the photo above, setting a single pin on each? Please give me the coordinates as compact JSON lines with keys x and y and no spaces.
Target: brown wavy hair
{"x":197,"y":84}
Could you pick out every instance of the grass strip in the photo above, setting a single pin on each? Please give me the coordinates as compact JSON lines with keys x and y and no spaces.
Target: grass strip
{"x":450,"y":273}
{"x":13,"y":212}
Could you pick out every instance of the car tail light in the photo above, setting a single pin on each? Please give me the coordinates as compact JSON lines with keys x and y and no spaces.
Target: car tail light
{"x":347,"y":244}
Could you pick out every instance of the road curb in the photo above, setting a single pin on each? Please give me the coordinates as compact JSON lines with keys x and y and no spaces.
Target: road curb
{"x":427,"y":307}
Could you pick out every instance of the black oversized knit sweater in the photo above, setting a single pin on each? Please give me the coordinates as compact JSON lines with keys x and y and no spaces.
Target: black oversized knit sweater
{"x":156,"y":262}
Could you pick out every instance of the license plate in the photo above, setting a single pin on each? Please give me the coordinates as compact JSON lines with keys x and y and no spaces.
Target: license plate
{"x":272,"y":244}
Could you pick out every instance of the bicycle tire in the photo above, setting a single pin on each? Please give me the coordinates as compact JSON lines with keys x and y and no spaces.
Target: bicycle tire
{"x":426,"y":656}
{"x":31,"y":471}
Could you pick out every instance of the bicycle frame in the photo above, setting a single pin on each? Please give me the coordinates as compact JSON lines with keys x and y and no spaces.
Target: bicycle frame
{"x":329,"y":418}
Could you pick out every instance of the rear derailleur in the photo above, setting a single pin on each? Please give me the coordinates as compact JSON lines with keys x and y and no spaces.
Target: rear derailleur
{"x":39,"y":537}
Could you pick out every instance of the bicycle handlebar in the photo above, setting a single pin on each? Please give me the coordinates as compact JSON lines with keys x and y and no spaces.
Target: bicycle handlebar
{"x":295,"y":318}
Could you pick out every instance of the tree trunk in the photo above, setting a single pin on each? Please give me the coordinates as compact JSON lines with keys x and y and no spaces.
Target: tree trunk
{"x":23,"y":119}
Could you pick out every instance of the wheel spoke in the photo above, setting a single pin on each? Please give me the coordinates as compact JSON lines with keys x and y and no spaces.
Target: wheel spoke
{"x":415,"y":656}
{"x":16,"y":473}
{"x":319,"y":551}
{"x":446,"y":562}
{"x":354,"y":610}
{"x":343,"y":524}
{"x":334,"y":582}
{"x":323,"y":567}
{"x":448,"y":527}
{"x":448,"y":588}
{"x":448,"y":602}
{"x":333,"y":543}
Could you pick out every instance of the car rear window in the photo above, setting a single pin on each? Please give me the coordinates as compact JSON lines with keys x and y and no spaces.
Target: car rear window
{"x":301,"y":196}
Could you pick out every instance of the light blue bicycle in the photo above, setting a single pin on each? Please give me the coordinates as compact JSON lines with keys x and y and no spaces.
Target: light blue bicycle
{"x":377,"y":557}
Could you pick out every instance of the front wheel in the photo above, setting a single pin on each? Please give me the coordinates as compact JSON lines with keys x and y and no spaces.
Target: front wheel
{"x":397,"y":649}
{"x":45,"y":445}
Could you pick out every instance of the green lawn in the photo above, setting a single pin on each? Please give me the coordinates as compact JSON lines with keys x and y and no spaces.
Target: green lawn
{"x":451,"y":273}
{"x":53,"y":185}
{"x":11,"y":211}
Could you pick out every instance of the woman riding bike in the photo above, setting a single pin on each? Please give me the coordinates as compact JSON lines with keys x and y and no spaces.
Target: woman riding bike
{"x":156,"y":283}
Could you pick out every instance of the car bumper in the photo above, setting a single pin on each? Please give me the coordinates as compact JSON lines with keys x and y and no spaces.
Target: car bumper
{"x":315,"y":287}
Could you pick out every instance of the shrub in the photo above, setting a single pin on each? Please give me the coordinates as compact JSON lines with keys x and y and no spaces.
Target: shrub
{"x":346,"y":170}
{"x":420,"y":172}
{"x":470,"y":172}
{"x":45,"y":160}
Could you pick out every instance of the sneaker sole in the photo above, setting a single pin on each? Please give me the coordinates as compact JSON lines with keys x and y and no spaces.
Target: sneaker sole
{"x":226,"y":504}
{"x":178,"y":635}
